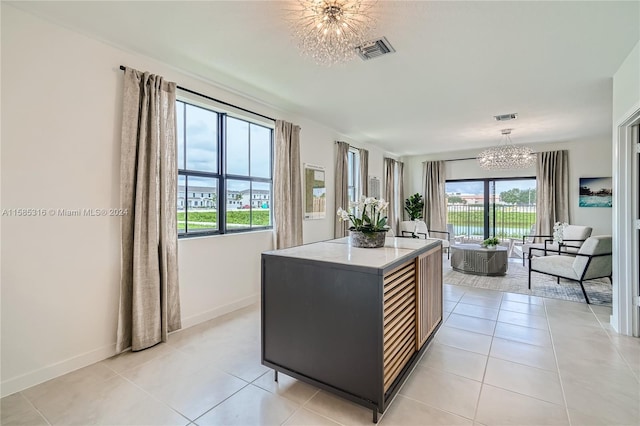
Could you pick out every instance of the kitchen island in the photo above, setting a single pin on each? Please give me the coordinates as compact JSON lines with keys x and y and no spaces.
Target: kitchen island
{"x":352,"y":321}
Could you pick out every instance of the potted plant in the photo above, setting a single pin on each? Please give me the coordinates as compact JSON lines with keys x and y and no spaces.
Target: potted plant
{"x":413,"y":206}
{"x":491,"y":243}
{"x":368,"y":222}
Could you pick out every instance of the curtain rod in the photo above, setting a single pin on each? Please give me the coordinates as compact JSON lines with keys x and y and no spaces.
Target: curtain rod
{"x":461,"y":159}
{"x":193,"y":92}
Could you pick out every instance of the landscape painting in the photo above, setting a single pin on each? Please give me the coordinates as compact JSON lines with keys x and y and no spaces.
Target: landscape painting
{"x":595,"y":192}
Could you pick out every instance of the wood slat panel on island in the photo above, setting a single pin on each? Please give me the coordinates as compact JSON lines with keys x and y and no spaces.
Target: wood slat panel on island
{"x":429,"y":268}
{"x":399,"y":314}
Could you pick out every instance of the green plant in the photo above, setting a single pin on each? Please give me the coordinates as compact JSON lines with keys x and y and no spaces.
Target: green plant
{"x":413,"y":206}
{"x":371,"y":219}
{"x":492,"y":241}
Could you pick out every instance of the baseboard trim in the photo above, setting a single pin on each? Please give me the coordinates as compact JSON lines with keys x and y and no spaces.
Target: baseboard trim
{"x":218,"y":312}
{"x":17,"y":384}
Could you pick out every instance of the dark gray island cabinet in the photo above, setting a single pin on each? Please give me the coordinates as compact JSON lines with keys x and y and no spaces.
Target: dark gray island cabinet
{"x":352,"y":321}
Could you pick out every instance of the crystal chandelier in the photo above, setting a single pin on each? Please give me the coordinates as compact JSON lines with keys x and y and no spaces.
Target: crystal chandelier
{"x":329,"y":30}
{"x":506,"y":155}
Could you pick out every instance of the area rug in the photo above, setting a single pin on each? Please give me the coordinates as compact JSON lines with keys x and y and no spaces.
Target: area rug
{"x":599,"y":291}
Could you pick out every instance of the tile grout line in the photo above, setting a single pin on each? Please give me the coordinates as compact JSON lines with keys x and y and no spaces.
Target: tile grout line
{"x":34,"y":407}
{"x":615,"y":346}
{"x":486,"y":365}
{"x":323,"y":415}
{"x":555,"y":357}
{"x":149,"y":394}
{"x":218,"y":404}
{"x":434,"y":407}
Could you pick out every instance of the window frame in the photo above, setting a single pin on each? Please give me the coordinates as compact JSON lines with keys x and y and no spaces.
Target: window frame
{"x":353,"y":173}
{"x":220,"y":174}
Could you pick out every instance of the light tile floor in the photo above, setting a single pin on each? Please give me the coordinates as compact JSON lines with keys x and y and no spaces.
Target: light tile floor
{"x":498,"y":359}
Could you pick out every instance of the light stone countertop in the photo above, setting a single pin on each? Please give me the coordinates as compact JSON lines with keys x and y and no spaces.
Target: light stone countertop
{"x":340,"y":251}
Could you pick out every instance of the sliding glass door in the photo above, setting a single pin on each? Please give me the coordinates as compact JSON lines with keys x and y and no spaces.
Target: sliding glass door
{"x":480,"y":208}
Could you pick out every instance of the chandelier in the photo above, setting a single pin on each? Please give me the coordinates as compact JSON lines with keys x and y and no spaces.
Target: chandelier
{"x":329,"y":31}
{"x":506,"y":155}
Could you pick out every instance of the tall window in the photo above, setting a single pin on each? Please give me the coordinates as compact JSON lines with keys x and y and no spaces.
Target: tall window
{"x":224,"y":172}
{"x":503,"y":208}
{"x":354,"y":174}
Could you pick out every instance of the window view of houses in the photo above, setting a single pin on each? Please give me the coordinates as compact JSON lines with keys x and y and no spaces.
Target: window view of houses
{"x":504,"y":208}
{"x":245,"y":172}
{"x":206,"y":198}
{"x":243,"y":207}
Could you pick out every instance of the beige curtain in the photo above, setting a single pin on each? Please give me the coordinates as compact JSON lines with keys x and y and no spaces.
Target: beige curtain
{"x":364,"y":172}
{"x":552,"y":198}
{"x":287,"y":186}
{"x":400,"y":196}
{"x":341,"y":187}
{"x":149,"y":293}
{"x":435,"y":203}
{"x":390,"y":193}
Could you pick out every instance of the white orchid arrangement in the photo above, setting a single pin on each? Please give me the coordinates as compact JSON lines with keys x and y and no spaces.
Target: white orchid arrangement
{"x":558,"y":231}
{"x":368,"y":215}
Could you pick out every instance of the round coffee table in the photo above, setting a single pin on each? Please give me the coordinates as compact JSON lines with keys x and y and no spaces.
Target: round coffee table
{"x":478,"y":260}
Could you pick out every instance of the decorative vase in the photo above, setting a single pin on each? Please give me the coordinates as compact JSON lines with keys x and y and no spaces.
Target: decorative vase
{"x":373,"y":239}
{"x":491,"y":247}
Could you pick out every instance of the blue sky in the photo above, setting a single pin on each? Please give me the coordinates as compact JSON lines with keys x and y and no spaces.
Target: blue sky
{"x":477,"y":187}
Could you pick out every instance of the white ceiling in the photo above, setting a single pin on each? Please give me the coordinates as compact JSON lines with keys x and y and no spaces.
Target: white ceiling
{"x":457,"y":64}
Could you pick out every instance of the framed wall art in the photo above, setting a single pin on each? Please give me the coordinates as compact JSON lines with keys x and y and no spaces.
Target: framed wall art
{"x":595,"y":192}
{"x":315,"y":192}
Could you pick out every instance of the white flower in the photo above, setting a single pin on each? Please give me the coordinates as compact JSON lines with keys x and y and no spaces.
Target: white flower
{"x":558,"y":231}
{"x":366,"y":215}
{"x":344,"y":215}
{"x":382,"y":204}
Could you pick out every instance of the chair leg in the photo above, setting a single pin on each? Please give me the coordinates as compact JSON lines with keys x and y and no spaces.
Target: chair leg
{"x":529,"y":275}
{"x":558,"y":280}
{"x":585,"y":293}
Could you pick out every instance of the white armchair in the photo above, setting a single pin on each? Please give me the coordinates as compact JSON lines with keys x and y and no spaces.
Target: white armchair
{"x":592,"y":260}
{"x":573,"y":237}
{"x":421,"y":230}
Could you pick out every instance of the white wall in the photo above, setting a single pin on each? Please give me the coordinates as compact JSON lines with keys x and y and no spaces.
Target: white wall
{"x":61,"y":106}
{"x":587,"y":158}
{"x":626,"y":109}
{"x":319,"y":150}
{"x":626,"y":86}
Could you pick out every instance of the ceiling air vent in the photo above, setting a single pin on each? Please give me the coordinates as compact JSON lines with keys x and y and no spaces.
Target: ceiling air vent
{"x":506,"y":117}
{"x":375,"y":48}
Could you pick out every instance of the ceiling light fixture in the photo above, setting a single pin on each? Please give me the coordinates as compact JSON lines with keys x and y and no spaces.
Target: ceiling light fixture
{"x":506,"y":155}
{"x":329,"y":30}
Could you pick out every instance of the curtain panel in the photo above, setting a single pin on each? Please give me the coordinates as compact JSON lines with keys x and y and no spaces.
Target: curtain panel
{"x":391,"y":193}
{"x":400,"y":200}
{"x":364,"y":172}
{"x":435,"y":203}
{"x":287,"y":185}
{"x":552,"y":200}
{"x":149,"y":291}
{"x":341,"y":188}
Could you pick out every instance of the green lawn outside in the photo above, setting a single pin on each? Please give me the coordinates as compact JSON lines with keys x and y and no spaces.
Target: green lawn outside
{"x":208,"y":220}
{"x":476,"y":218}
{"x":509,"y":222}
